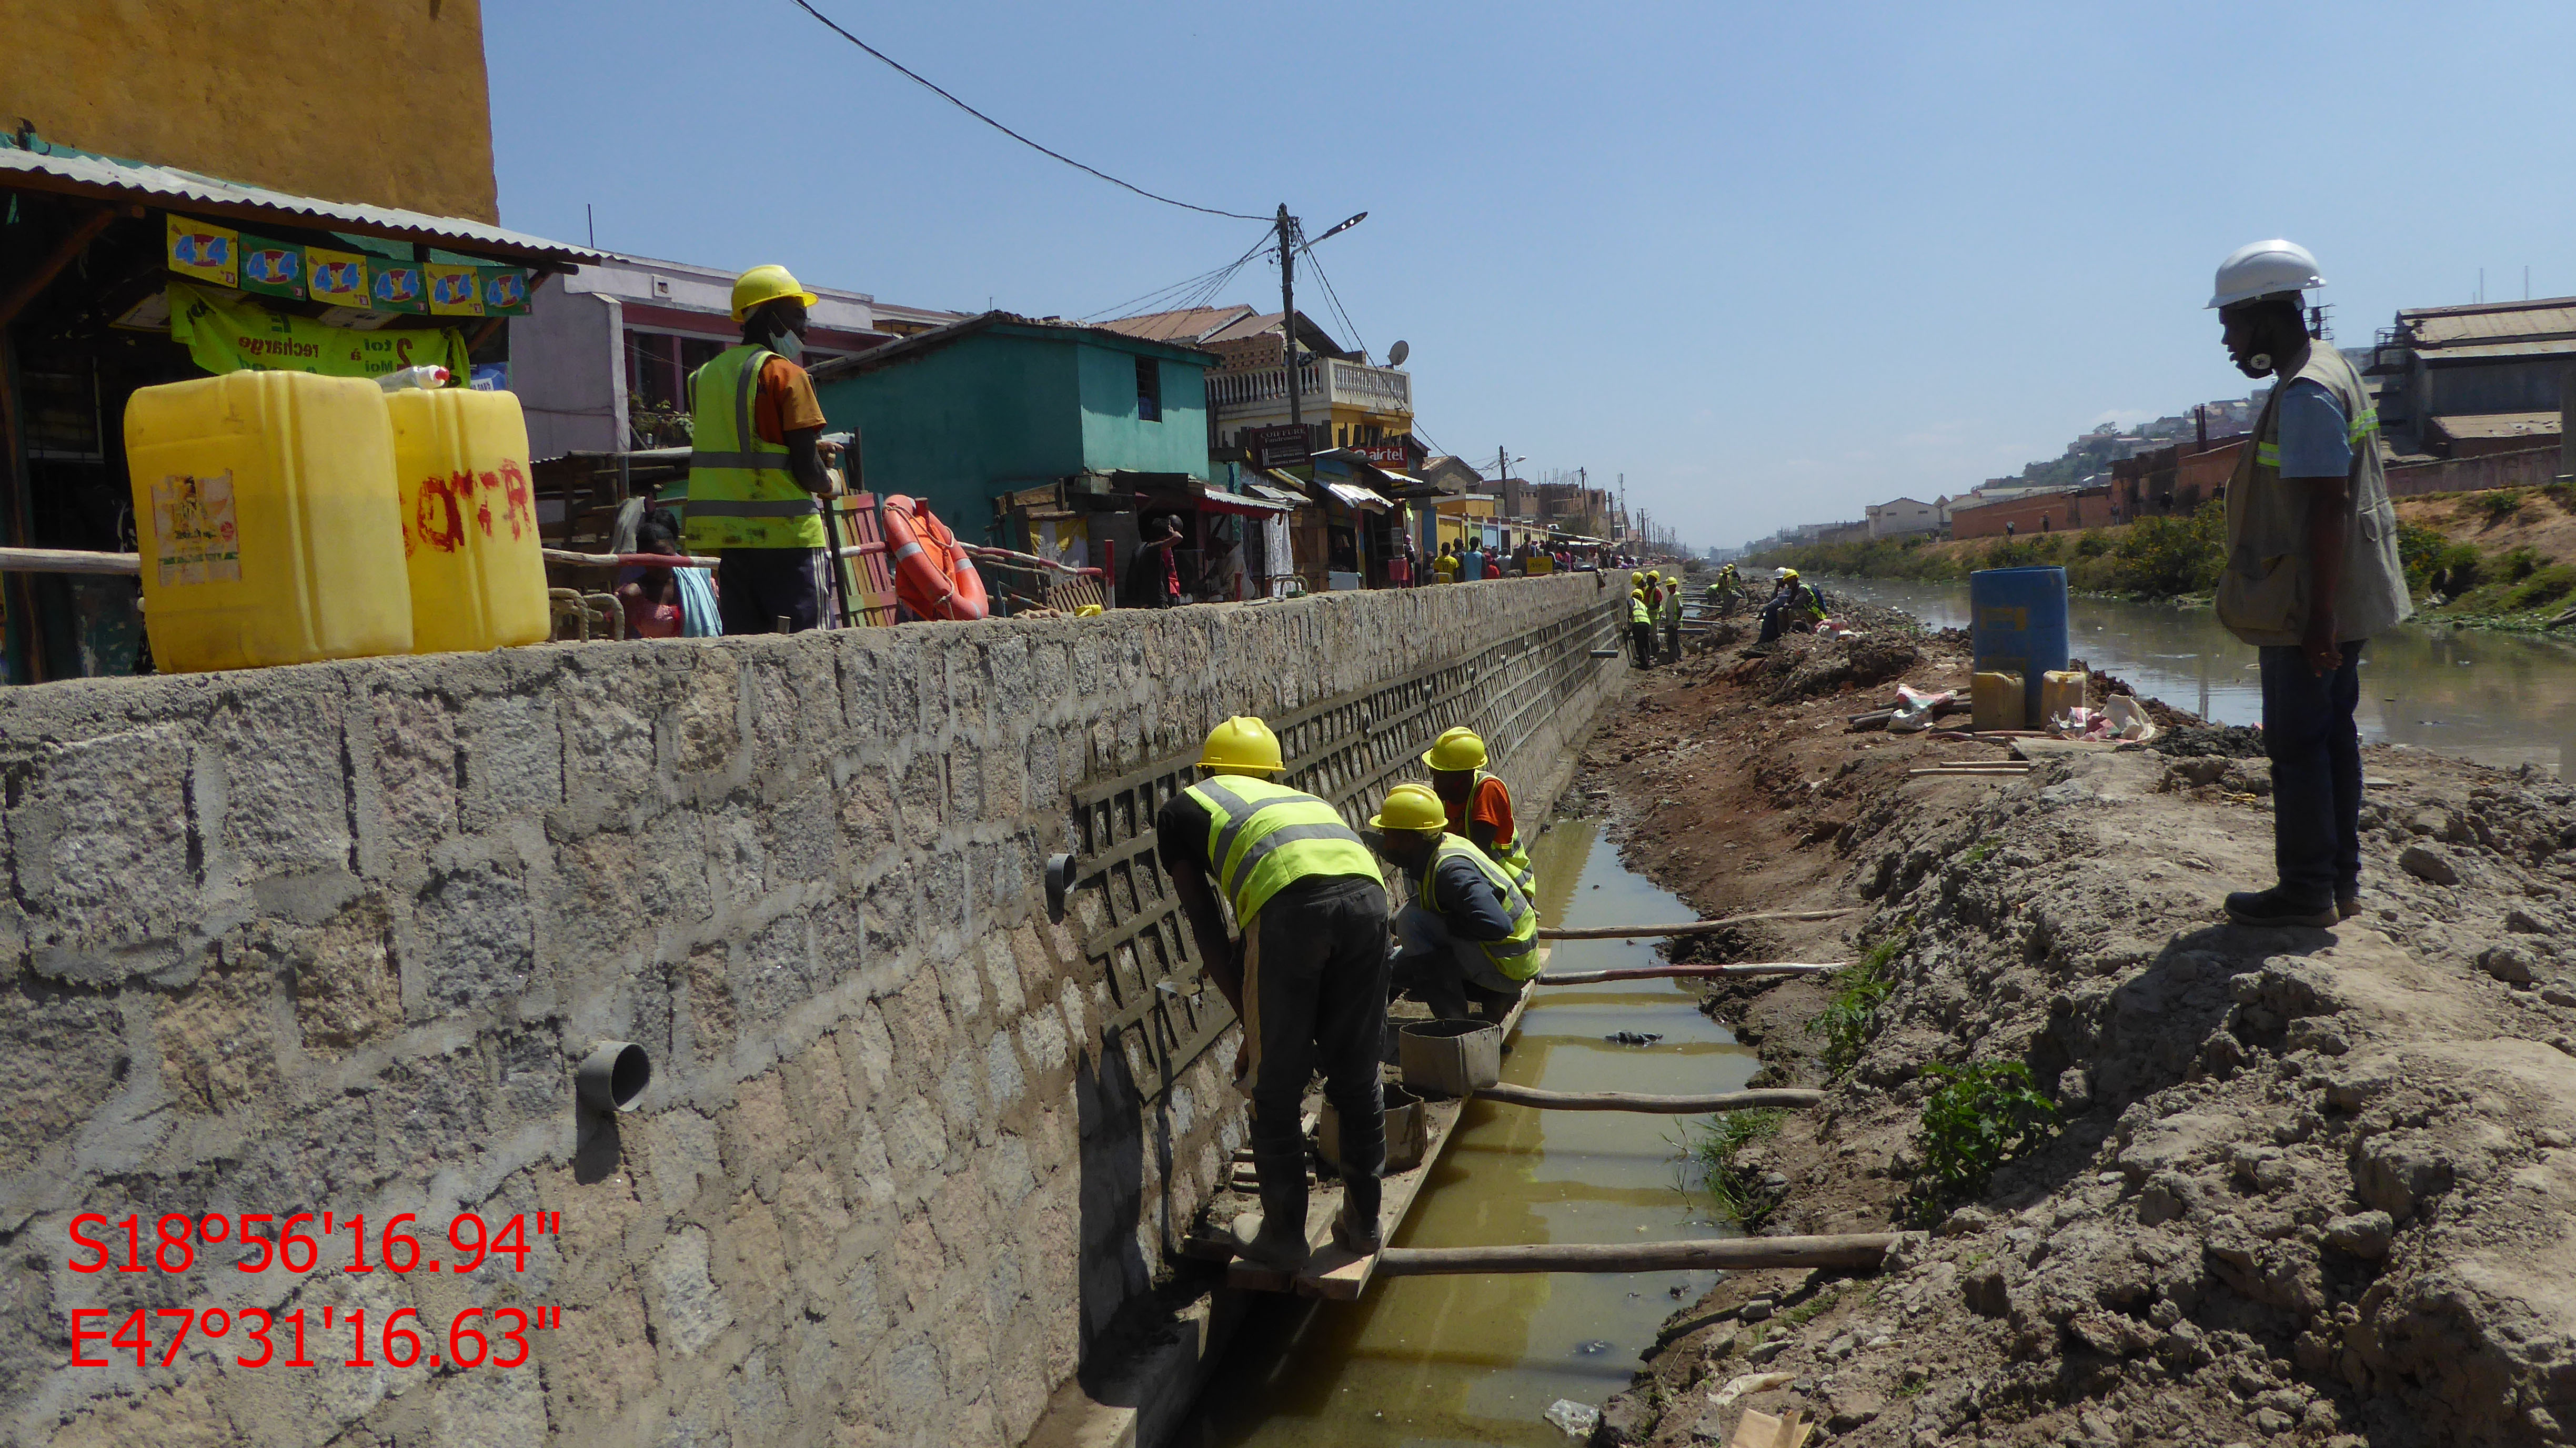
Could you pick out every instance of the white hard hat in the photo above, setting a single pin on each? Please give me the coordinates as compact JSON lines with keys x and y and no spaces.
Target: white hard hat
{"x":2260,"y":268}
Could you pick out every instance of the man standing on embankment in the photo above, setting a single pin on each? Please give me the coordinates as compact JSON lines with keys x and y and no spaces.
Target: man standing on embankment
{"x":2312,"y":573}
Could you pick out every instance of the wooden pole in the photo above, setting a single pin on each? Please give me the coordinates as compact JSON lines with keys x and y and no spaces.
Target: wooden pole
{"x":1687,"y":972}
{"x":1860,"y":1249}
{"x":68,"y":560}
{"x":37,"y":277}
{"x":1662,"y":1105}
{"x":1694,"y":927}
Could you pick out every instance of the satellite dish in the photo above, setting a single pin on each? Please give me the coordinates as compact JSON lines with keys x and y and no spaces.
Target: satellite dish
{"x":1396,"y":354}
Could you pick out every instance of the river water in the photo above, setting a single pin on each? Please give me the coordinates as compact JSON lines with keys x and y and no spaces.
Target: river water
{"x":2502,"y":699}
{"x":1478,"y":1359}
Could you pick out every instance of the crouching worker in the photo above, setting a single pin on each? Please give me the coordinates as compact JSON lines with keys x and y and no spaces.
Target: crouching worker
{"x":1479,"y":805}
{"x":1469,"y":935}
{"x":1307,"y":972}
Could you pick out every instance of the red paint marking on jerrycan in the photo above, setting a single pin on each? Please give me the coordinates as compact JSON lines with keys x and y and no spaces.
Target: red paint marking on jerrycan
{"x":469,"y":522}
{"x":268,"y":519}
{"x":2018,"y":626}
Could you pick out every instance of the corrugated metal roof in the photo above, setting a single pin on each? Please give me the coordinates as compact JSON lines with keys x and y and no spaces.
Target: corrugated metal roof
{"x":2500,"y":351}
{"x":2448,"y":327}
{"x":2462,"y":426}
{"x":79,"y":173}
{"x":1191,"y":325}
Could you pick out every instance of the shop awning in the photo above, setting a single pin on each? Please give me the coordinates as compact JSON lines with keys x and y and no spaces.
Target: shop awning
{"x":1214,"y":499}
{"x":1287,"y":498}
{"x":1354,"y":497}
{"x":76,"y":173}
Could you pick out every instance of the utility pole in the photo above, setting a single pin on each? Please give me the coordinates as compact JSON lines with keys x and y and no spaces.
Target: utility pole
{"x":1502,"y":485}
{"x":1288,"y":309}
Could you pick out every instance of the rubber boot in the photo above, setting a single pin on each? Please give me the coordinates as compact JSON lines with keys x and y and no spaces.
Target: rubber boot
{"x":1280,"y":1241}
{"x":1356,"y":1229}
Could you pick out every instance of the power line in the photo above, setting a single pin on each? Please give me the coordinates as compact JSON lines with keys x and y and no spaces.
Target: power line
{"x":1334,"y":296}
{"x":1206,"y":283}
{"x":926,"y":83}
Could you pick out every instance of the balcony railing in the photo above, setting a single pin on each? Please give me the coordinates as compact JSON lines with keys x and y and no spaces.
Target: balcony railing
{"x":1324,"y":381}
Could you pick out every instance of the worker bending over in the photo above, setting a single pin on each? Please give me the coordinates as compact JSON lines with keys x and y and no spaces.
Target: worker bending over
{"x":1792,"y":608}
{"x":757,"y":462}
{"x":1307,"y":973}
{"x":1478,"y":805}
{"x":1641,"y":630}
{"x":1470,"y":934}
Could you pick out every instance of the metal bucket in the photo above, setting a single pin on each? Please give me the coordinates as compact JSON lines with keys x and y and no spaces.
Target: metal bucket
{"x":1408,"y":1132}
{"x":1450,"y":1058}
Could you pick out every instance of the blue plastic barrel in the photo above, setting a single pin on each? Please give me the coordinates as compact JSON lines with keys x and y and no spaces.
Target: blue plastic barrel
{"x":2017,"y":625}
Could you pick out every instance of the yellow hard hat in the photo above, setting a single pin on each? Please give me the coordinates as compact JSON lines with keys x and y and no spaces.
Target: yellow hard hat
{"x":1410,"y":807}
{"x":1457,"y":749}
{"x":1244,"y":745}
{"x":1788,"y":573}
{"x":1637,"y":593}
{"x":1088,"y":610}
{"x":1635,"y":578}
{"x":1654,"y":575}
{"x":766,"y":284}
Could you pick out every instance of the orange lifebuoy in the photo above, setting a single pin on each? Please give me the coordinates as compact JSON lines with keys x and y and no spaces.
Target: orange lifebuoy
{"x":932,"y":574}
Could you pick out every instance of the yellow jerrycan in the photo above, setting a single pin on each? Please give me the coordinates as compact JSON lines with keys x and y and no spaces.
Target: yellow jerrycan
{"x":469,"y":523}
{"x":267,"y":517}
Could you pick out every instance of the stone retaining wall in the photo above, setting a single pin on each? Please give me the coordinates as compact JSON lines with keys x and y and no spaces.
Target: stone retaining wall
{"x":331,"y":939}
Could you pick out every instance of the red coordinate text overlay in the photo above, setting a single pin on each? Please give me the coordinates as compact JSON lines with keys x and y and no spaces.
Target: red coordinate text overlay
{"x":299,"y":1243}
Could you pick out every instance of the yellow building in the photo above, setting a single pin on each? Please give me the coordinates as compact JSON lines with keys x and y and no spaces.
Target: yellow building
{"x":383,"y":104}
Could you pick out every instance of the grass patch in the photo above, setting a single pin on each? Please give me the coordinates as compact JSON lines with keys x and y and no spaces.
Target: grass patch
{"x":1979,"y":1117}
{"x":1811,"y":1309}
{"x":2497,"y":505}
{"x":1849,"y":1020}
{"x":1982,"y":850}
{"x":1733,"y":1188}
{"x":2542,"y":587}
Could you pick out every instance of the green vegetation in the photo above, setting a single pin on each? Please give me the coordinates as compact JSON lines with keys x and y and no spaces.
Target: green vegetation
{"x":1978,"y":852}
{"x":2500,"y":504}
{"x":2166,"y":557}
{"x":1851,"y":1017}
{"x":1978,"y":1117}
{"x":1736,"y":1191}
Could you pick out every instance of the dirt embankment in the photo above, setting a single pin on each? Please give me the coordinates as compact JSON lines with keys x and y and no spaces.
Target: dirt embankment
{"x":2305,"y":1186}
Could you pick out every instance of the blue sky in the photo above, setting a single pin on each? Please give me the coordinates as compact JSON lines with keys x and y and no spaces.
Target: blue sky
{"x":1771,"y":262}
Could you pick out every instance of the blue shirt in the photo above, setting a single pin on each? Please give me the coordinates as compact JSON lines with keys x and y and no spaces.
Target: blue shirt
{"x":1471,"y":565}
{"x":2316,"y":438}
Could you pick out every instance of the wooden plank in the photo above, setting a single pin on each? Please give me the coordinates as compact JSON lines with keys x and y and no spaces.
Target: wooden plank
{"x":1631,"y":1101}
{"x":1733,"y":1254}
{"x":1690,"y":972}
{"x":1690,"y":927}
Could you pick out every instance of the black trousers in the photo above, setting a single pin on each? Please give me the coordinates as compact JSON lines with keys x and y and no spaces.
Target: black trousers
{"x":2315,"y":748}
{"x":1314,"y":987}
{"x":1641,"y":644}
{"x":756,"y":587}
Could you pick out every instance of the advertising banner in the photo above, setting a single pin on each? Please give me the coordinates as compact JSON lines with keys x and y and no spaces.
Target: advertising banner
{"x":205,"y":251}
{"x":272,"y":268}
{"x":235,"y":334}
{"x":336,"y":277}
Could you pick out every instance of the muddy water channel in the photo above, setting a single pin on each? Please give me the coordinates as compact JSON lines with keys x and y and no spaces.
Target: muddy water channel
{"x":1478,"y":1360}
{"x":2501,"y":699}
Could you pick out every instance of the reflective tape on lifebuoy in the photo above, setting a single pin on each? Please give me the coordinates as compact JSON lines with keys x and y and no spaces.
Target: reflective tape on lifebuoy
{"x":932,"y":575}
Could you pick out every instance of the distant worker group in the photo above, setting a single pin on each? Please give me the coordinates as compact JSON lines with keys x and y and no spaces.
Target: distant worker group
{"x":1314,"y":951}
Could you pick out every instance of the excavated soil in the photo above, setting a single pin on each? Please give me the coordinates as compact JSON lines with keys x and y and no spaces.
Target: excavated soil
{"x":2307,"y":1186}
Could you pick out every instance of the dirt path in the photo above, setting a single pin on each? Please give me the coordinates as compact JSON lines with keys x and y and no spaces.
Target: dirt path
{"x":2315,"y":1186}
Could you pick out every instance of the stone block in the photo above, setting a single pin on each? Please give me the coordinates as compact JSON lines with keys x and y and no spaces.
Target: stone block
{"x":797,"y":836}
{"x":608,"y":708}
{"x":105,"y":839}
{"x":417,"y":770}
{"x":688,"y":1312}
{"x":513,"y":754}
{"x":867,"y":817}
{"x":286,"y":784}
{"x":488,"y":1409}
{"x":346,"y":988}
{"x":477,"y":935}
{"x":776,"y":970}
{"x":707,"y":989}
{"x":704,"y":729}
{"x":62,"y":1052}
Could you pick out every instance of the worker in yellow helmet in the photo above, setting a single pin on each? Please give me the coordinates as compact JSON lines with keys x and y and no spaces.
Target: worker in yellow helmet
{"x":1306,"y":972}
{"x":1478,"y":804}
{"x":1470,"y":936}
{"x":1641,"y":630}
{"x":757,"y":463}
{"x":1793,"y":607}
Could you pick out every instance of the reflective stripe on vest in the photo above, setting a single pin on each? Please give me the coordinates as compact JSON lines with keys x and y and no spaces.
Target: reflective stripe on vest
{"x":741,"y":491}
{"x":1637,"y":611}
{"x":1512,"y":857}
{"x":2268,"y":454}
{"x":1264,"y":837}
{"x":1516,"y":955}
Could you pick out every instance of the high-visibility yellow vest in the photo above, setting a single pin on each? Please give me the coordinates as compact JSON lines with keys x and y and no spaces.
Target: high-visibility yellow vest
{"x":741,"y":493}
{"x":1513,"y":857}
{"x":1515,"y":955}
{"x":1264,"y":837}
{"x":1637,"y":612}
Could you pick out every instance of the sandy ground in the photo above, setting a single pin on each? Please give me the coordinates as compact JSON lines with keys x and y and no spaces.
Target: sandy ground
{"x":2311,"y":1186}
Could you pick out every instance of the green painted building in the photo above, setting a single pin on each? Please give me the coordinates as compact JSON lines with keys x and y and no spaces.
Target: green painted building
{"x":997,"y":403}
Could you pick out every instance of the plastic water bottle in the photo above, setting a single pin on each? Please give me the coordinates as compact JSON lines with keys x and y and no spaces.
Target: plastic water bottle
{"x":423,"y":376}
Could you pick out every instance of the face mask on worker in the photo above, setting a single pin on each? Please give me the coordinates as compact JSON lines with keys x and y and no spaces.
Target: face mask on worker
{"x":788,"y":345}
